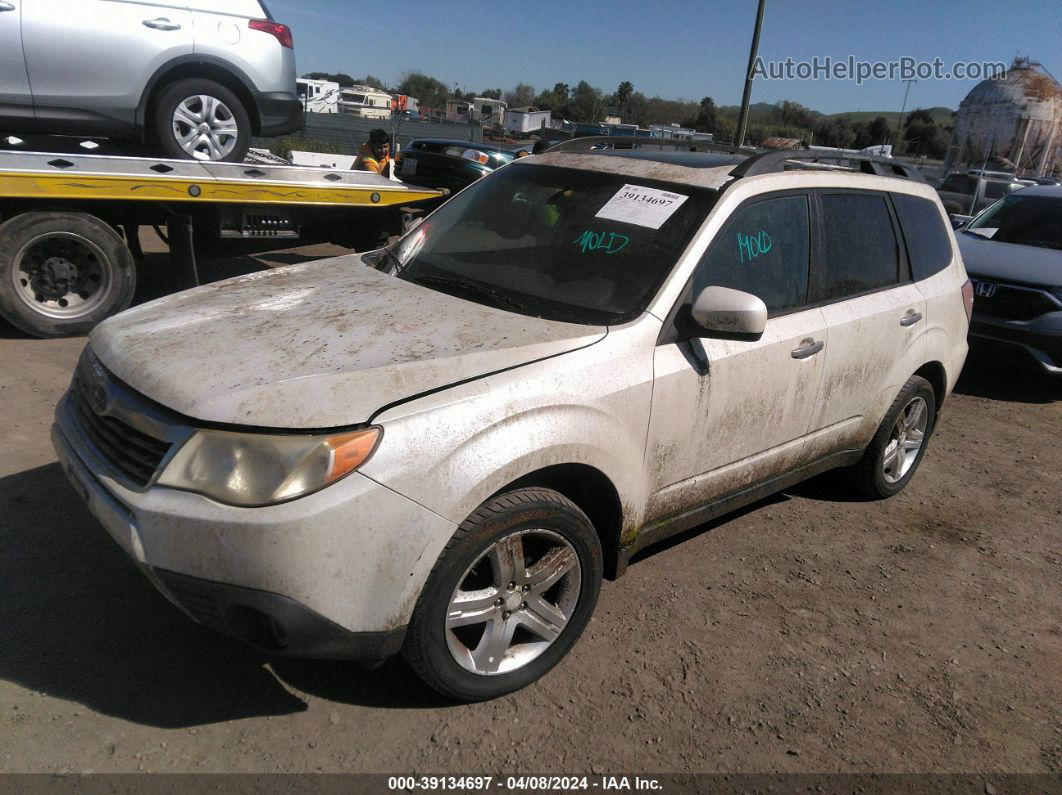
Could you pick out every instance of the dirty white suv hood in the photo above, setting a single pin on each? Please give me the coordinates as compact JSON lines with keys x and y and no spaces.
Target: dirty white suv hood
{"x":319,"y":345}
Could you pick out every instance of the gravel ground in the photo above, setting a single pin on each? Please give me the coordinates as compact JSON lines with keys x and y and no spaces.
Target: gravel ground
{"x":808,"y":633}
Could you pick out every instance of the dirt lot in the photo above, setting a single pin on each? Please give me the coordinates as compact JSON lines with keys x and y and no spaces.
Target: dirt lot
{"x":807,"y":633}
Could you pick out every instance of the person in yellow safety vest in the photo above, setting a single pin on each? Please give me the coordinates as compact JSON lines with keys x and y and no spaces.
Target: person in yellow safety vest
{"x":375,"y":154}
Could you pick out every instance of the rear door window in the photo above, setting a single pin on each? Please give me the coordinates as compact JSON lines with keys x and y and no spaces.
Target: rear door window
{"x":928,"y":242}
{"x":859,"y":252}
{"x":763,"y":250}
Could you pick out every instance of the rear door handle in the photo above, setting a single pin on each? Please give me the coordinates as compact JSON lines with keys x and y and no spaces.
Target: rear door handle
{"x":807,"y":350}
{"x":6,"y":6}
{"x":910,"y":318}
{"x":161,"y":23}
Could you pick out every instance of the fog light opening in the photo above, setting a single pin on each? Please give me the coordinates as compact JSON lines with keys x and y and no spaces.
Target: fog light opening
{"x":256,"y":628}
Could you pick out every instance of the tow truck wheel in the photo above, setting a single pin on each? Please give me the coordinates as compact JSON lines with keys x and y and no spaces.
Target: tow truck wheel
{"x":199,"y":119}
{"x":61,"y":273}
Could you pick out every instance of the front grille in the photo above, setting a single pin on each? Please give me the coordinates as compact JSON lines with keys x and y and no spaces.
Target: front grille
{"x":133,"y":453}
{"x":1015,"y":303}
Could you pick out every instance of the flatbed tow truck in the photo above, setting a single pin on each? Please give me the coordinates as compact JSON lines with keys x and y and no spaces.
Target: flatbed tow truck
{"x":69,"y":239}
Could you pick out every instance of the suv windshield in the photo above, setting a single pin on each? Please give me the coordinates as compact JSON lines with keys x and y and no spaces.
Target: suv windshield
{"x":1028,"y":220}
{"x":559,"y":243}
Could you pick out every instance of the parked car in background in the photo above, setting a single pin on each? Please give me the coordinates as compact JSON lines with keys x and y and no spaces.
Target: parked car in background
{"x":195,"y":79}
{"x":969,"y":192}
{"x":450,"y":164}
{"x":572,"y":359}
{"x":1013,"y":252}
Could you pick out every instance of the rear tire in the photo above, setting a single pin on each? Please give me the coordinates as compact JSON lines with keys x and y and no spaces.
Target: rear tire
{"x":198,"y":119}
{"x":533,"y":610}
{"x":893,"y":455}
{"x":61,"y":273}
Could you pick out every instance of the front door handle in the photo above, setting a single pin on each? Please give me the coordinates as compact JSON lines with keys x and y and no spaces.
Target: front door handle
{"x":161,"y":24}
{"x":810,"y":349}
{"x":910,"y":318}
{"x":6,"y":6}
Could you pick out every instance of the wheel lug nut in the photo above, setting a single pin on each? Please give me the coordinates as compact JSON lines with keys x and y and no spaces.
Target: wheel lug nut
{"x":527,"y":588}
{"x":512,"y":585}
{"x":498,"y":602}
{"x":505,"y":615}
{"x":524,"y":605}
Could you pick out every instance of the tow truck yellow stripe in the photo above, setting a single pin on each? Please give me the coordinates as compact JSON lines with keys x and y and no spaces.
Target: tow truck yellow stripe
{"x":14,"y":184}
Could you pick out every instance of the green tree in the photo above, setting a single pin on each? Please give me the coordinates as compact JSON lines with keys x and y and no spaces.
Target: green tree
{"x":623,"y":94}
{"x":375,"y":82}
{"x":922,"y":135}
{"x":339,"y":77}
{"x":587,"y":103}
{"x":879,"y":131}
{"x":429,"y":91}
{"x":707,"y":118}
{"x":491,"y":93}
{"x":521,"y":96}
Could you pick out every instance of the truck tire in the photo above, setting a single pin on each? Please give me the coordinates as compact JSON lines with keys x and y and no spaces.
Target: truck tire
{"x":199,"y":119}
{"x":61,"y":273}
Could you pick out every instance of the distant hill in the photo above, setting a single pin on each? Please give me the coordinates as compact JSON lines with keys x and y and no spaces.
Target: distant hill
{"x":941,"y":115}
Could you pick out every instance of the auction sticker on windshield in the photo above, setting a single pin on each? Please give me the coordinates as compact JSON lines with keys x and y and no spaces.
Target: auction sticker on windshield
{"x":635,"y":204}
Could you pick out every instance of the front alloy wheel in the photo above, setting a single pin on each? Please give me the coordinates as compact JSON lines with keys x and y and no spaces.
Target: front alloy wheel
{"x":508,"y":597}
{"x":513,"y":602}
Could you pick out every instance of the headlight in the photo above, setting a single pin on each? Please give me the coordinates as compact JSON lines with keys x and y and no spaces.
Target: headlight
{"x":254,"y":469}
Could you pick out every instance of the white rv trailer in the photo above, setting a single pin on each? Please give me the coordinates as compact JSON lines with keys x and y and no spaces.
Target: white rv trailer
{"x":318,"y":96}
{"x":365,"y":102}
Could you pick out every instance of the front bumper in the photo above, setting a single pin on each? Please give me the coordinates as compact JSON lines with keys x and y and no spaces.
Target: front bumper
{"x":279,"y":113}
{"x":333,"y":574}
{"x":1040,"y":337}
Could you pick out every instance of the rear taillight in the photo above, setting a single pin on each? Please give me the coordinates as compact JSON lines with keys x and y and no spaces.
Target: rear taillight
{"x":281,"y":32}
{"x":967,"y":298}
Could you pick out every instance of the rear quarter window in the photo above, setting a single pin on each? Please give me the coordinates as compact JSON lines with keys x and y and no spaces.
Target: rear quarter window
{"x":859,"y":246}
{"x":928,"y":243}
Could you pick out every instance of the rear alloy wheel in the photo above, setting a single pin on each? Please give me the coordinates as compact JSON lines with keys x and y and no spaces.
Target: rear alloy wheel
{"x":62,"y":273}
{"x":202,"y":120}
{"x":509,"y":596}
{"x":893,"y":455}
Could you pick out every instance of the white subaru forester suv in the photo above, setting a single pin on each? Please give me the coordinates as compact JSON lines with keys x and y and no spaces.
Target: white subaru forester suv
{"x":443,"y":446}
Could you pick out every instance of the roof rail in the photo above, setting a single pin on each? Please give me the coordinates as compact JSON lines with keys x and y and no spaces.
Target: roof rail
{"x":774,"y":162}
{"x":585,"y":142}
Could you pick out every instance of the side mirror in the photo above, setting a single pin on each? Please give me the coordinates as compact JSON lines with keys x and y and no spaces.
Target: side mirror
{"x":720,"y":310}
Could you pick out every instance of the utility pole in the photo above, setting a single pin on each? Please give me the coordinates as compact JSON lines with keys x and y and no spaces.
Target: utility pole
{"x":899,"y":124}
{"x":743,"y":119}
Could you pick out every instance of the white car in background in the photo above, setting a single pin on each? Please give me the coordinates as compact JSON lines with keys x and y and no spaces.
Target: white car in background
{"x":575,"y":357}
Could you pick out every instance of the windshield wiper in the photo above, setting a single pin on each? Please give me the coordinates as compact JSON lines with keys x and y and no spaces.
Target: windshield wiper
{"x":389,"y":260}
{"x":470,"y":289}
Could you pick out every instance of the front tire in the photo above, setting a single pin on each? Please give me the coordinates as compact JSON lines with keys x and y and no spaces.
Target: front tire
{"x":509,"y":596}
{"x":893,"y":455}
{"x":61,"y":273}
{"x":199,"y":119}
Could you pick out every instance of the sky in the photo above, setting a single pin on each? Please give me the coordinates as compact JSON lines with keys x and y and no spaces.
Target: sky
{"x":676,"y":49}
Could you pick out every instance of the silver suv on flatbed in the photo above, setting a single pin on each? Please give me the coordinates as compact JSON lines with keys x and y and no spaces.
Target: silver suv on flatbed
{"x":572,"y":359}
{"x":195,"y":78}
